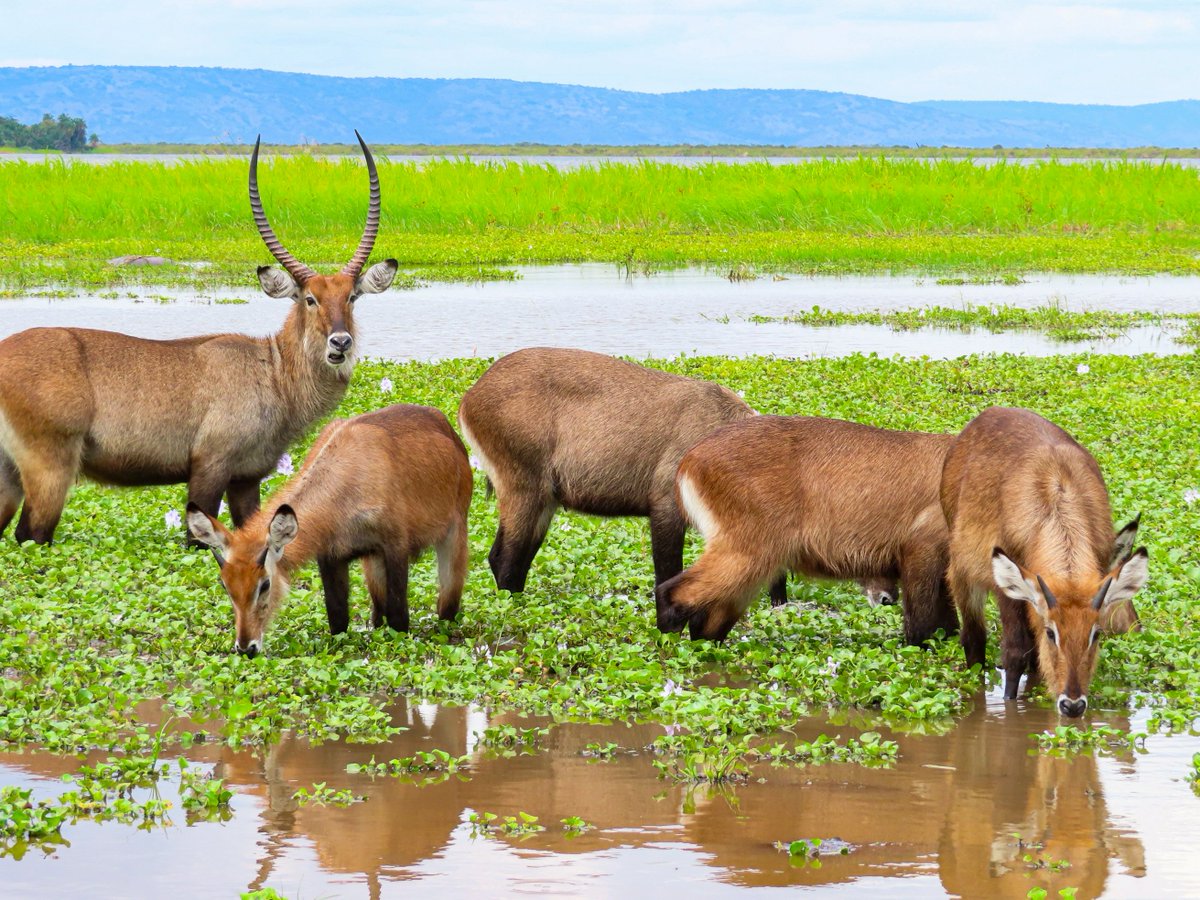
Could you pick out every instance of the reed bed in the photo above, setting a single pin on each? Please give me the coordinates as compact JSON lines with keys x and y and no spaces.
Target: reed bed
{"x":861,"y":214}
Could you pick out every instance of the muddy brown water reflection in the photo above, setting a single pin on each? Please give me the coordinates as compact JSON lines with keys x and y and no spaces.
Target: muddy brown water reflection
{"x":944,"y":820}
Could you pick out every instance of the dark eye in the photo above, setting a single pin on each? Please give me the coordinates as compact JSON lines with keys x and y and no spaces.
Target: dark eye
{"x":1053,"y":635}
{"x":264,"y":586}
{"x":353,"y":297}
{"x":1095,"y":634}
{"x":312,"y":301}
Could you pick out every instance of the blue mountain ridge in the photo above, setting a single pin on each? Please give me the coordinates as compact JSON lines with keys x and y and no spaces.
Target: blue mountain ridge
{"x":145,"y":104}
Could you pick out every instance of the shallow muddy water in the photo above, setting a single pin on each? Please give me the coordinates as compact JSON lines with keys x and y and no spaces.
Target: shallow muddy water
{"x":972,"y":813}
{"x":596,"y":307}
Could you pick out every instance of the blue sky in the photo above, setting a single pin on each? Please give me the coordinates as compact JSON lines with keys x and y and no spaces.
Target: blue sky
{"x":1081,"y":52}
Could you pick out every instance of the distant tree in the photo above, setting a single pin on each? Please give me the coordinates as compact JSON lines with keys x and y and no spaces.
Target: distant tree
{"x":65,"y":133}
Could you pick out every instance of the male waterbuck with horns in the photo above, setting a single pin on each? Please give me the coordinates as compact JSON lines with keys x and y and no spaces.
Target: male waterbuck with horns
{"x":215,"y":411}
{"x":821,"y":497}
{"x":592,"y":433}
{"x":1030,"y":520}
{"x":380,"y":487}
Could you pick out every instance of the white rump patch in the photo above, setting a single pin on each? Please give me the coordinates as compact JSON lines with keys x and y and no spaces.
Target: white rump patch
{"x":696,"y":511}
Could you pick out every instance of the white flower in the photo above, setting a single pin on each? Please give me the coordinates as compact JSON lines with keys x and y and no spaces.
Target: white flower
{"x":385,"y":384}
{"x":742,"y":394}
{"x":671,"y":688}
{"x":1190,"y":496}
{"x":566,"y":526}
{"x":671,"y":730}
{"x":474,"y":461}
{"x":1083,"y":369}
{"x":284,"y":466}
{"x":831,"y":665}
{"x":172,"y":518}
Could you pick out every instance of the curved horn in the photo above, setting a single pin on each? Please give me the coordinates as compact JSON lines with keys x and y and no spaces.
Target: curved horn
{"x":371,"y":229}
{"x":295,"y":268}
{"x":1051,"y":600}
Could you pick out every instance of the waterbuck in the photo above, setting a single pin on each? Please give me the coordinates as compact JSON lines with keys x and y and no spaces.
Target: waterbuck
{"x":215,"y":411}
{"x":380,"y":487}
{"x":821,"y":497}
{"x":1030,"y":521}
{"x":591,"y":433}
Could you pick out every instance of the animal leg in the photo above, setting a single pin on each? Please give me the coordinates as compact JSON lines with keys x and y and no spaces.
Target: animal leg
{"x":667,"y":532}
{"x":524,"y":519}
{"x":778,"y":590}
{"x":452,"y":569}
{"x":11,"y":492}
{"x":1016,"y":644}
{"x":970,"y":600}
{"x":206,"y":484}
{"x":243,"y":500}
{"x":396,"y":608}
{"x":925,"y":598}
{"x":335,"y":579}
{"x":375,"y":575}
{"x":46,"y":476}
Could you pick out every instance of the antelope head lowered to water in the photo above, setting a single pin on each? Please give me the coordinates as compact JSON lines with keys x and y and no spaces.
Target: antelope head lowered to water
{"x":215,"y":411}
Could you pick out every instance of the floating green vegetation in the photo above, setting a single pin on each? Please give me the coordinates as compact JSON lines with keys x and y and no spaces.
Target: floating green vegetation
{"x":1056,"y":322}
{"x":120,"y":611}
{"x":462,"y":219}
{"x":423,"y":762}
{"x":1065,"y":740}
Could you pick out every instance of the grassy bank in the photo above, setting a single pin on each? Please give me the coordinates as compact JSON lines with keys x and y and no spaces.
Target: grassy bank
{"x":120,"y":611}
{"x":61,"y":223}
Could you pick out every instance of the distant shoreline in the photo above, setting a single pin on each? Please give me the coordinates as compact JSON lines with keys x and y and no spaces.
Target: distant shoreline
{"x":649,"y":151}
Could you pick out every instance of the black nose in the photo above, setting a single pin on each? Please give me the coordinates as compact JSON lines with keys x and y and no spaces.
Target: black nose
{"x":250,"y":652}
{"x":340,"y":342}
{"x":1072,"y":709}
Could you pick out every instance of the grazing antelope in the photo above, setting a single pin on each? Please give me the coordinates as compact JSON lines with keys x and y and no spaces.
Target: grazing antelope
{"x":591,"y":433}
{"x":821,"y":497}
{"x":1030,"y":521}
{"x":380,"y":487}
{"x":215,"y":411}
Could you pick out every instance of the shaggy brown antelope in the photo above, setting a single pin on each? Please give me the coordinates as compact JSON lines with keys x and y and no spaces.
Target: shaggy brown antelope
{"x":215,"y":411}
{"x":380,"y":487}
{"x":821,"y":497}
{"x":591,"y":433}
{"x":1030,"y":521}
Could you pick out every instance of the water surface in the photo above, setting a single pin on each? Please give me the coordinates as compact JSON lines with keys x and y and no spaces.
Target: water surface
{"x":597,"y":307}
{"x":957,"y":815}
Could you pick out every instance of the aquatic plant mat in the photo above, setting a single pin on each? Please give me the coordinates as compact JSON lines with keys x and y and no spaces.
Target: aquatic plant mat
{"x":116,"y":642}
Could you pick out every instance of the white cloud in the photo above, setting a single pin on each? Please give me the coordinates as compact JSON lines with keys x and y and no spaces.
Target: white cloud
{"x":1118,"y":51}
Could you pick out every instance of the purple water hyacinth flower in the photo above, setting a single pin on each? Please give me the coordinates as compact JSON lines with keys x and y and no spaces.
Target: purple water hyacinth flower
{"x":385,"y":384}
{"x":172,"y":518}
{"x":284,"y":466}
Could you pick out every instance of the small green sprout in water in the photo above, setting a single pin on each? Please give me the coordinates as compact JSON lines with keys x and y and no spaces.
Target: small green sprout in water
{"x":522,"y":824}
{"x":201,"y":794}
{"x":509,"y":737}
{"x":435,"y":761}
{"x":1070,"y":739}
{"x":575,"y":826}
{"x":323,"y":795}
{"x":596,"y":750}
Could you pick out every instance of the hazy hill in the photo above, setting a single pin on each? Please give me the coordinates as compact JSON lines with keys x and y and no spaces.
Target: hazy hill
{"x":202,"y":105}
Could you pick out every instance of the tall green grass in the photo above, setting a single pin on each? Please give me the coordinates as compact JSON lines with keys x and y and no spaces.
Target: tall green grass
{"x":814,"y":214}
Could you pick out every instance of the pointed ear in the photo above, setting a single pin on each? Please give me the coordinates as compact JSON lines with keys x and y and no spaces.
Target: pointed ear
{"x":1123,"y":544}
{"x":1129,"y":578}
{"x":282,"y":530}
{"x":208,"y":531}
{"x":1013,"y":582}
{"x":278,"y":283}
{"x":376,"y":279}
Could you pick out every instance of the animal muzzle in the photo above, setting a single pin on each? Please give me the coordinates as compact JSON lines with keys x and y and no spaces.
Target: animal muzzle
{"x":1072,"y":709}
{"x":337,"y":347}
{"x":249,"y":649}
